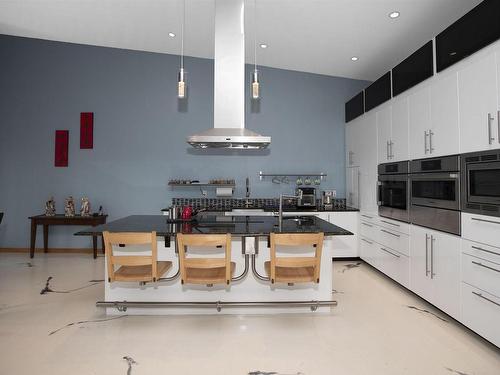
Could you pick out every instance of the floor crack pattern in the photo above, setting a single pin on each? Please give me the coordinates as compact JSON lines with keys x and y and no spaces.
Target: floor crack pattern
{"x":48,"y":289}
{"x":426,"y":312}
{"x":86,"y":321}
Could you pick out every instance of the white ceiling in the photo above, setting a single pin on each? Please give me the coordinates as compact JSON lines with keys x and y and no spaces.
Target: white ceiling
{"x":317,"y":36}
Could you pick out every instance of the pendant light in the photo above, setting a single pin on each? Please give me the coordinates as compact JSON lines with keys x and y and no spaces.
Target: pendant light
{"x":181,"y":79}
{"x":255,"y":73}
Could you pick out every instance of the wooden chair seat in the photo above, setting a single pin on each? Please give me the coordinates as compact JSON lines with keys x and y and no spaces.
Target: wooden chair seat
{"x":291,"y":274}
{"x":215,"y":275}
{"x":141,"y":273}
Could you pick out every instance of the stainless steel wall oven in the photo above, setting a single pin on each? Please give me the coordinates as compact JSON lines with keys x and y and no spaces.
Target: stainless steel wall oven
{"x":435,"y":193}
{"x":393,"y":194}
{"x":481,"y":183}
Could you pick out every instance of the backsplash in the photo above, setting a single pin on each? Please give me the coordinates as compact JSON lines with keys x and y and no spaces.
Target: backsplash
{"x":230,"y":203}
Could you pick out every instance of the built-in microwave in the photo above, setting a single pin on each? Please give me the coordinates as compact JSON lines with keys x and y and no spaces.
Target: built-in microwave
{"x":481,"y":183}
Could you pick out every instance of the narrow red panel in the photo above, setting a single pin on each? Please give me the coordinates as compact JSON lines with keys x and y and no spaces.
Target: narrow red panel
{"x":86,"y":130}
{"x":62,"y":142}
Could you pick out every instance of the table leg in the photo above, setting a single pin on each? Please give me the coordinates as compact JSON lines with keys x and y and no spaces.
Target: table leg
{"x":94,"y":244}
{"x":45,"y":238}
{"x":103,"y":246}
{"x":33,"y":238}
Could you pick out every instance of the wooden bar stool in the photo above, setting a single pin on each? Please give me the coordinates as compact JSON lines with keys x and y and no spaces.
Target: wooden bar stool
{"x":142,"y":268}
{"x":208,"y":271}
{"x":295,"y":269}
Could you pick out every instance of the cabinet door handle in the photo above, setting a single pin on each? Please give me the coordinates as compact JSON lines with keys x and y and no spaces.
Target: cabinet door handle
{"x":368,"y":217}
{"x":387,"y":149}
{"x":487,"y":299}
{"x":431,"y":149}
{"x":487,"y":251}
{"x":490,"y":138}
{"x":482,"y":265}
{"x":426,"y":150}
{"x":392,"y":150}
{"x":368,"y":225}
{"x":432,"y":256}
{"x":426,"y":255}
{"x":485,"y":221}
{"x":371,"y":243}
{"x":392,"y":234}
{"x":387,"y":251}
{"x":396,"y":225}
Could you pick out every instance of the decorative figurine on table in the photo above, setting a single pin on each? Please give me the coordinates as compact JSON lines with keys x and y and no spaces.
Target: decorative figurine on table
{"x":50,"y":207}
{"x":69,"y":207}
{"x":101,"y":212}
{"x":85,"y":208}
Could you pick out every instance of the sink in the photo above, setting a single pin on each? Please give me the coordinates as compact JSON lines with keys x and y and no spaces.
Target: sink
{"x":248,"y":212}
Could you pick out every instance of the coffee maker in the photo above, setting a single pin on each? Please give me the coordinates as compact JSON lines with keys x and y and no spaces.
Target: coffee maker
{"x":327,"y":198}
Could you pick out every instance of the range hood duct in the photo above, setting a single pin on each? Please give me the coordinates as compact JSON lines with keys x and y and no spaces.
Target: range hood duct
{"x":229,"y":84}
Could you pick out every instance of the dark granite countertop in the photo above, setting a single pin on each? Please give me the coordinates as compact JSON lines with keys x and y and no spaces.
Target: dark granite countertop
{"x":237,"y":226}
{"x":318,"y":209}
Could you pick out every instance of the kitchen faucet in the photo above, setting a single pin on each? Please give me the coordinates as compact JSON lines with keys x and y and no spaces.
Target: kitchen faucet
{"x":280,"y":214}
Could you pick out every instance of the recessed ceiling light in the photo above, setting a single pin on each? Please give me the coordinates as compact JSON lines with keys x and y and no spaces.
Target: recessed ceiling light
{"x":395,"y":14}
{"x":172,"y":35}
{"x":354,"y":58}
{"x":263,"y":45}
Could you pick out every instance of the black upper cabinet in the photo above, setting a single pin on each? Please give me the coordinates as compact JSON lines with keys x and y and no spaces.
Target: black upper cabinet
{"x":413,"y":70}
{"x":378,"y":92}
{"x":475,"y":30}
{"x":355,"y":107}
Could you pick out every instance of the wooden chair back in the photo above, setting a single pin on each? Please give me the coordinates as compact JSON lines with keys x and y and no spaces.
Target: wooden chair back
{"x":126,"y":238}
{"x":296,"y":239}
{"x":198,"y":263}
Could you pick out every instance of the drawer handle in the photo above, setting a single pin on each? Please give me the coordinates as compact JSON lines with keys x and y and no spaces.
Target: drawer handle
{"x":487,"y":251}
{"x":486,"y":221}
{"x":393,"y":234}
{"x":371,"y":243}
{"x":387,"y":251}
{"x":487,"y":299}
{"x":396,"y":225}
{"x":368,"y":225}
{"x":482,"y":265}
{"x":368,"y":217}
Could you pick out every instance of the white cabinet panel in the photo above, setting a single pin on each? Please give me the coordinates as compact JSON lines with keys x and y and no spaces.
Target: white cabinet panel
{"x":345,"y":246}
{"x":444,"y":138}
{"x":481,"y":313}
{"x":394,"y":265}
{"x":420,"y":122}
{"x":368,"y":251}
{"x":481,"y":274}
{"x":420,"y":282}
{"x":480,"y":228}
{"x":352,"y":187}
{"x":368,"y":144}
{"x":399,"y":130}
{"x":393,"y":240}
{"x":384,"y":140}
{"x":477,"y":89}
{"x":352,"y":136}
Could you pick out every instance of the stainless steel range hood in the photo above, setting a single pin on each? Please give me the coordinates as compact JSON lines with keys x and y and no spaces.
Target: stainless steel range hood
{"x":229,"y":86}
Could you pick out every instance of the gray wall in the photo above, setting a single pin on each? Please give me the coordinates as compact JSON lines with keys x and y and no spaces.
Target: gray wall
{"x":140,"y":131}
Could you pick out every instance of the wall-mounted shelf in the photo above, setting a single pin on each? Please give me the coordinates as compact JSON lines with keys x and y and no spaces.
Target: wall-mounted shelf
{"x":320,"y":175}
{"x":200,"y":184}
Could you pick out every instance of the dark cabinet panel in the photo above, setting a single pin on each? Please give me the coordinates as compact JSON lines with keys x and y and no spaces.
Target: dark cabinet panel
{"x":355,"y":107}
{"x":475,"y":30}
{"x":378,"y":92}
{"x":413,"y":70}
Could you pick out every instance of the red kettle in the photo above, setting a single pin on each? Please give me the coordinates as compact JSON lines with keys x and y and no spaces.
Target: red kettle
{"x":187,"y":213}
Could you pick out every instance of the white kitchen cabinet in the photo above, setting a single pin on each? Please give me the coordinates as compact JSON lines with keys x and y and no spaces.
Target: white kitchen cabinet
{"x":352,"y":186}
{"x":435,"y":268}
{"x":481,"y":312}
{"x":367,"y":149}
{"x":400,"y":128}
{"x":384,"y":136}
{"x":478,"y":104}
{"x":345,"y":246}
{"x":444,"y":136}
{"x":419,"y":107}
{"x":481,"y":228}
{"x":368,"y":251}
{"x":393,"y":264}
{"x":352,"y":142}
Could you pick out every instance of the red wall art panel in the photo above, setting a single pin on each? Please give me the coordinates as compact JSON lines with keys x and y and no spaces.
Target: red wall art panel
{"x":86,"y":130}
{"x":62,"y":142}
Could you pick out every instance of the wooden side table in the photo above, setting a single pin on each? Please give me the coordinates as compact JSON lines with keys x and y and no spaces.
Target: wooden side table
{"x":60,"y":219}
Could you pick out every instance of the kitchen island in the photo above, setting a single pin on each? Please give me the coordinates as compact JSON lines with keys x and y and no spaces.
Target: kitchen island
{"x":249,"y":292}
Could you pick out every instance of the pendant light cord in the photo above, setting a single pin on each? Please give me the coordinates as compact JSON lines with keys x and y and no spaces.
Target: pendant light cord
{"x":255,"y":33}
{"x":182,"y":32}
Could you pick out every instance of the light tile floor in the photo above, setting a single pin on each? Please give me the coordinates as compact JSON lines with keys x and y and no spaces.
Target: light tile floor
{"x":372,"y":331}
